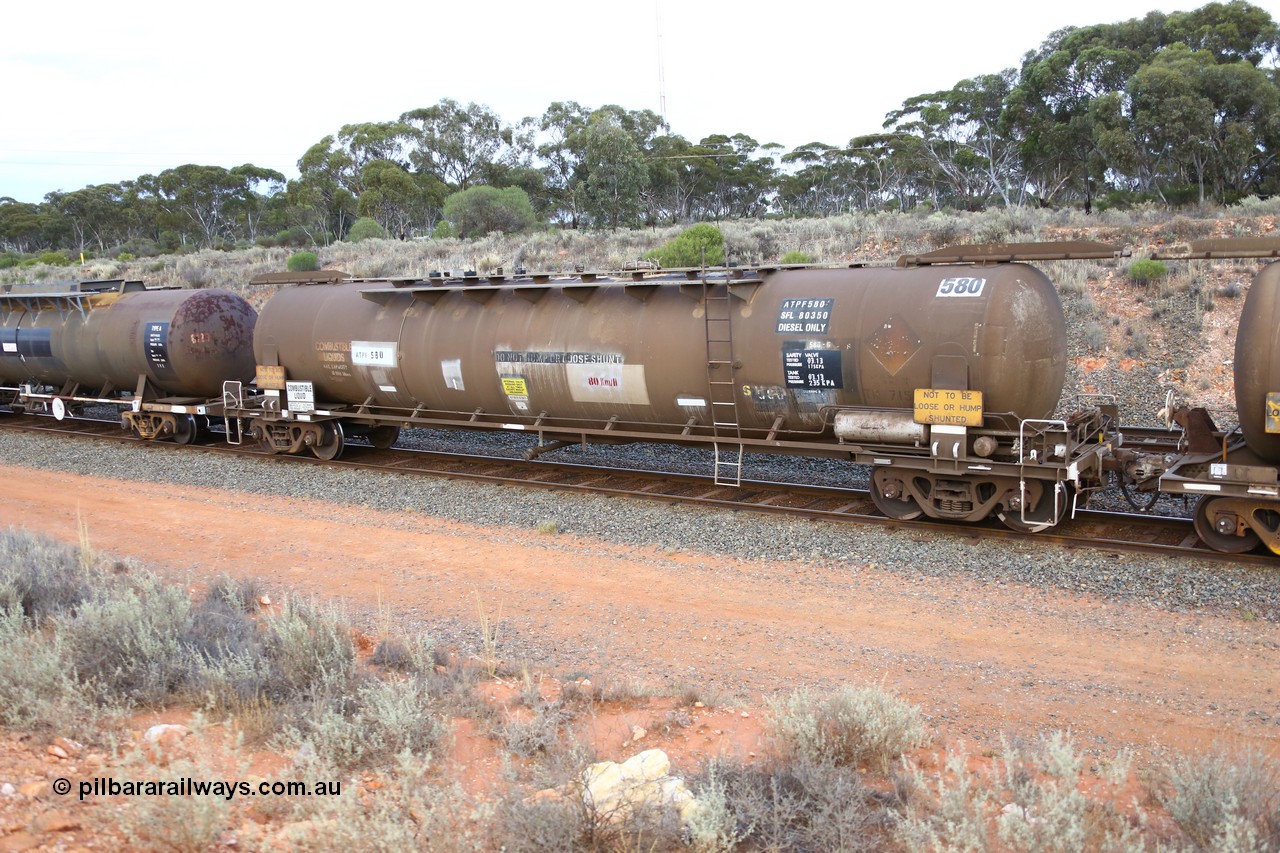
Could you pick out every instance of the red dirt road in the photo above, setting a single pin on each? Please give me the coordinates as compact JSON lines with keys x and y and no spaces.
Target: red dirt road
{"x":979,"y":659}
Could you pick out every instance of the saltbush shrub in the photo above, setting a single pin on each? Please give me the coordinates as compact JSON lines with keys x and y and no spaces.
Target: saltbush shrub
{"x":796,"y":258}
{"x":382,"y":719}
{"x":1225,"y":801}
{"x":853,"y":726}
{"x":40,"y":578}
{"x":788,"y":805}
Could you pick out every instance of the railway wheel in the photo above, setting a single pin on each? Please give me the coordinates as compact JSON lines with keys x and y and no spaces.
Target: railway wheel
{"x":383,"y":437}
{"x":184,"y":429}
{"x":890,"y":497}
{"x":331,"y":442}
{"x":1048,"y":512}
{"x":1219,"y":528}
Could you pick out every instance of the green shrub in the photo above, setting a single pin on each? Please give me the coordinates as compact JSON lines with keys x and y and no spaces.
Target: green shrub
{"x":477,"y":211}
{"x":303,"y":262}
{"x":796,"y":258}
{"x":366,"y":228}
{"x":1147,"y":270}
{"x":693,"y":247}
{"x":296,"y":237}
{"x":53,"y":259}
{"x":124,"y":256}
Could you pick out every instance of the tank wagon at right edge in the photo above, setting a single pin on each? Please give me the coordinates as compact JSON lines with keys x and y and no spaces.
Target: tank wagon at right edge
{"x":1233,"y":474}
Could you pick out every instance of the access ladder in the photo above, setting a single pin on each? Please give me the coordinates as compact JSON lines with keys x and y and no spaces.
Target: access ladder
{"x":722,"y":398}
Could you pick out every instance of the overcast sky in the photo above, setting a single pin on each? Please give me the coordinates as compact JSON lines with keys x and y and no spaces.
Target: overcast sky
{"x":100,"y":92}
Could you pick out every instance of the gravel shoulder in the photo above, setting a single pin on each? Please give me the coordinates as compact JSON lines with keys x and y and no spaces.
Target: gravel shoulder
{"x":988,"y":639}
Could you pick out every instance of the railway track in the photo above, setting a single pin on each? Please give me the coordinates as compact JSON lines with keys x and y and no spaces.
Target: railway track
{"x":1097,"y":529}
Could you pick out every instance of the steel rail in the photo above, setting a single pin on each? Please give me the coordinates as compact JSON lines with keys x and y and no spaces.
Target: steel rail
{"x":1094,"y":529}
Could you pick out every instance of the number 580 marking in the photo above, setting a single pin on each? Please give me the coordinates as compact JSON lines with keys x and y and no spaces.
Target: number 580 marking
{"x":961,"y":287}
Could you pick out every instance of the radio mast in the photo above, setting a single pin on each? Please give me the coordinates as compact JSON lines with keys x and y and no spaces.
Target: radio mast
{"x":662,"y":76}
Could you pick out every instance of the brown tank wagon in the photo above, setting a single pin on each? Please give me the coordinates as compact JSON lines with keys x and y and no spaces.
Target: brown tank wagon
{"x":1234,"y":472}
{"x":93,"y":341}
{"x":814,"y":361}
{"x":803,"y":341}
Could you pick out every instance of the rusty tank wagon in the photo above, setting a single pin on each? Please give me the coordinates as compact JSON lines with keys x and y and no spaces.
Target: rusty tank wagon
{"x":168,"y":350}
{"x":940,"y":373}
{"x":1233,"y":474}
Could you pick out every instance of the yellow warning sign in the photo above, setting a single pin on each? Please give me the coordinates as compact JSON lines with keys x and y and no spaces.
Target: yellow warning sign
{"x":939,"y":406}
{"x":514,"y":386}
{"x":1273,"y":412}
{"x":271,"y":377}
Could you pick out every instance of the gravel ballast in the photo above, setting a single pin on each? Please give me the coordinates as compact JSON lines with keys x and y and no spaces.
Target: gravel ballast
{"x":1174,"y":584}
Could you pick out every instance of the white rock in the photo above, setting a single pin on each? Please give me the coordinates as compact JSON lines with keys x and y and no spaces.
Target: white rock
{"x":7,"y":790}
{"x":613,"y":791}
{"x":166,"y":733}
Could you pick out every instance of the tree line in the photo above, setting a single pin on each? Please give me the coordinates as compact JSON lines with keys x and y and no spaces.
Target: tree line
{"x":1175,"y":108}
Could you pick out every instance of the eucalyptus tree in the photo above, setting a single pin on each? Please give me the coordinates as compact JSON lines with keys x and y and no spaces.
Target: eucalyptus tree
{"x":615,"y":173}
{"x":731,"y":179}
{"x":213,"y":202}
{"x":968,"y":138}
{"x":26,"y":227}
{"x":456,"y":143}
